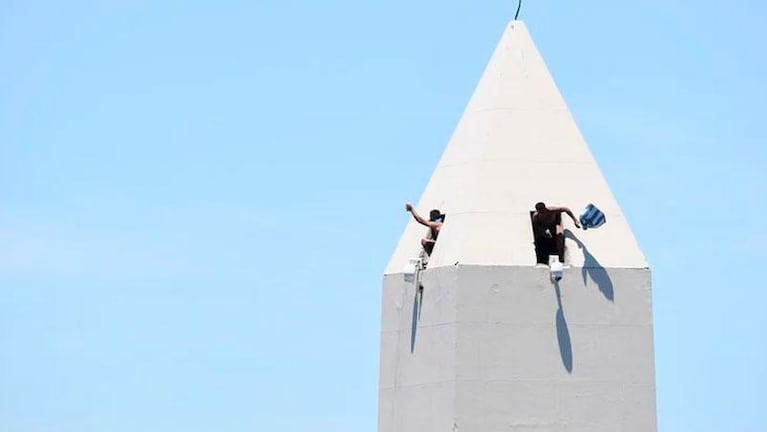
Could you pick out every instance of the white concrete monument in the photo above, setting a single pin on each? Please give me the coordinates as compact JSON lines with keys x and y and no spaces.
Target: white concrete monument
{"x":492,"y":343}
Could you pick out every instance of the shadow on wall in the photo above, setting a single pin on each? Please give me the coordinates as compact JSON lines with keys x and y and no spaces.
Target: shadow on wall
{"x":417,"y":301}
{"x":593,"y":270}
{"x":563,"y":334}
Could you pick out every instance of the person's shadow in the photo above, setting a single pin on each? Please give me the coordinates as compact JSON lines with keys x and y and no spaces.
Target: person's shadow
{"x":417,"y":302}
{"x":593,"y":270}
{"x":563,"y":334}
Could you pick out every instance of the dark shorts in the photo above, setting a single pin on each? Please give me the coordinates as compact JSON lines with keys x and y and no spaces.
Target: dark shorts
{"x":428,"y":245}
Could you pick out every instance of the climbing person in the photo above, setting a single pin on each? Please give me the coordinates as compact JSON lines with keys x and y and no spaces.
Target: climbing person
{"x":549,"y":232}
{"x":436,"y":218}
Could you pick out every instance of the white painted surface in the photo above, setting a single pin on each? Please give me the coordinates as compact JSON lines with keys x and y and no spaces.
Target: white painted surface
{"x":493,"y":345}
{"x":516,"y":144}
{"x":496,"y":348}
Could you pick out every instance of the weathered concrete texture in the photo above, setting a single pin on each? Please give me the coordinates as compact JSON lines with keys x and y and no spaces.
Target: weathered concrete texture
{"x":491,"y":348}
{"x":516,"y":144}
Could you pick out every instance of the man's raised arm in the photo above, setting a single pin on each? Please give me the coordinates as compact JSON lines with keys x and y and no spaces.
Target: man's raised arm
{"x":409,"y":207}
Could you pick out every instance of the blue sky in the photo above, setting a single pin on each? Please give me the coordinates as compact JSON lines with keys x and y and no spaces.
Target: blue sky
{"x":197,"y":199}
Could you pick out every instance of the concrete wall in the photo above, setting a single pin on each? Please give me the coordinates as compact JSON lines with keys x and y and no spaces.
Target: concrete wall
{"x":418,"y":353}
{"x":495,"y":348}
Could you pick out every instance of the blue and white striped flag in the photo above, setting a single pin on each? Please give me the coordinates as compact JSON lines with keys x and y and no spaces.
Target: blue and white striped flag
{"x":592,"y":217}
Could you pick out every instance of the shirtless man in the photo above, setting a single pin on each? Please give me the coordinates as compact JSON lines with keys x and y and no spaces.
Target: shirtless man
{"x":434,"y":223}
{"x":547,"y":225}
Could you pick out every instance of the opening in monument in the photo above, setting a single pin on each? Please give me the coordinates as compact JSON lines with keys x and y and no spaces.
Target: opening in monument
{"x":430,"y":240}
{"x":547,"y":242}
{"x":431,"y":234}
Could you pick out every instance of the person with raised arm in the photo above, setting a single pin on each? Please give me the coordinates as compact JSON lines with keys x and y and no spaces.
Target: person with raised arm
{"x":436,"y":219}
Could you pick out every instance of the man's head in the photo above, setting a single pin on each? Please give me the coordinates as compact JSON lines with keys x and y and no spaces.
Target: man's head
{"x":540,"y":207}
{"x":435,"y":215}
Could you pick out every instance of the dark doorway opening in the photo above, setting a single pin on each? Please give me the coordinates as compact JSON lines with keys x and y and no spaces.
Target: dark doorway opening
{"x":547,"y":241}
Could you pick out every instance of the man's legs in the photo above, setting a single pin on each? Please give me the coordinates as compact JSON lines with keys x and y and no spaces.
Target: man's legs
{"x":543,"y":248}
{"x":428,"y":245}
{"x":560,"y":238}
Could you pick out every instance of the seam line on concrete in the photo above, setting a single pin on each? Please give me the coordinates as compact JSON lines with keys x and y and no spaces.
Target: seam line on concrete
{"x":528,"y":380}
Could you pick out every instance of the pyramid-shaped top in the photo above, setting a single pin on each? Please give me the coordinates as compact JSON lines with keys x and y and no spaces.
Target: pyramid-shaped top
{"x":516,"y":144}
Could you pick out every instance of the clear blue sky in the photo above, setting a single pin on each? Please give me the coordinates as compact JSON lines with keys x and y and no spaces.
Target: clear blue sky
{"x":197,"y":199}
